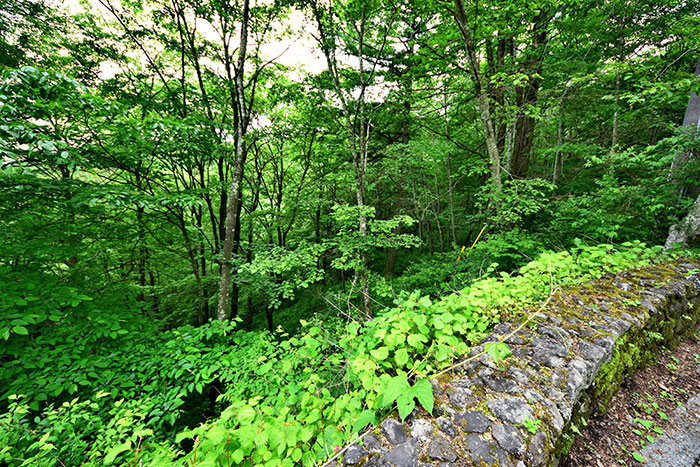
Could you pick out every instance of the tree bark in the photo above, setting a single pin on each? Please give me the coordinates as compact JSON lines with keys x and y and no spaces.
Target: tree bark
{"x":481,"y":93}
{"x":687,"y":232}
{"x":526,"y":98}
{"x":232,"y":209}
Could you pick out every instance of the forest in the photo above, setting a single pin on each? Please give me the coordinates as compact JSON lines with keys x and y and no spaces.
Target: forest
{"x":238,"y":232}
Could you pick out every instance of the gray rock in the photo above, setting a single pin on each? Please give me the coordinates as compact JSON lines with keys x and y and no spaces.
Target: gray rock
{"x":463,"y":382}
{"x":549,"y":360}
{"x":646,"y":303}
{"x":574,"y":385}
{"x":532,"y":396}
{"x":372,"y":444}
{"x":440,"y":449}
{"x":437,"y":389}
{"x":473,"y":422}
{"x":608,"y":344}
{"x":482,"y":452}
{"x":446,"y":464}
{"x":404,"y":455}
{"x":466,"y":368}
{"x":502,"y":329}
{"x":515,"y":339}
{"x":487,"y":361}
{"x":422,"y":430}
{"x":547,"y":350}
{"x":565,"y":408}
{"x":445,"y":410}
{"x":558,"y":334}
{"x":556,"y":418}
{"x":377,"y":460}
{"x":394,"y":431}
{"x":447,"y":427}
{"x":547,"y":344}
{"x":499,"y":384}
{"x":354,"y":455}
{"x":631,"y":319}
{"x":591,"y":351}
{"x":509,"y":438}
{"x":536,"y":454}
{"x":512,"y":409}
{"x":586,"y":368}
{"x":519,"y":375}
{"x":559,"y":378}
{"x":521,"y":352}
{"x":462,"y":398}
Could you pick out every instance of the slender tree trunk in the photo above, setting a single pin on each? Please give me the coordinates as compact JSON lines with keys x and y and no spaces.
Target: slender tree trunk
{"x":616,"y":115}
{"x":559,"y":156}
{"x":232,"y":208}
{"x":482,"y":97}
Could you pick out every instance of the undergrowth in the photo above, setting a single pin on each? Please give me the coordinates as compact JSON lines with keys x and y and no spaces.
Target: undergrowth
{"x":265,"y":399}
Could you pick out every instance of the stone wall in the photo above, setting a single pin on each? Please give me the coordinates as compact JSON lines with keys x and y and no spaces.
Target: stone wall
{"x":566,"y":363}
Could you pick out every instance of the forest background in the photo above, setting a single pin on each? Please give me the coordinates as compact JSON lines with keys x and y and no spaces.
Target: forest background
{"x":210,"y":210}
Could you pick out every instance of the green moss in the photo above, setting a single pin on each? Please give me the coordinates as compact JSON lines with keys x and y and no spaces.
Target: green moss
{"x":637,"y":346}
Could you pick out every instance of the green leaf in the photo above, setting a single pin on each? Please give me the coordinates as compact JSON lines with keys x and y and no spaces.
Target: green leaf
{"x":637,"y":456}
{"x":237,"y":456}
{"x":246,"y":415}
{"x":423,"y":391}
{"x":365,"y":418}
{"x":416,"y":340}
{"x":397,"y":385}
{"x":382,"y":353}
{"x":115,"y":451}
{"x":498,"y":351}
{"x":405,"y":404}
{"x":20,"y":330}
{"x":401,"y":357}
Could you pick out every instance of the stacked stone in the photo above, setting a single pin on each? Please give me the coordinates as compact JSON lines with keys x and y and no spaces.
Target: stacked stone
{"x":517,"y":412}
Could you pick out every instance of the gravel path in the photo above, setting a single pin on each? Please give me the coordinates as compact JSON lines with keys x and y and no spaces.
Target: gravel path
{"x":680,"y":446}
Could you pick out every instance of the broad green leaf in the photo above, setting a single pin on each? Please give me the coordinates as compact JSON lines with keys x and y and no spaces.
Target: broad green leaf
{"x":397,"y":385}
{"x":401,"y":357}
{"x":382,"y":353}
{"x":423,"y":391}
{"x":115,"y":451}
{"x":365,"y":418}
{"x":246,"y":414}
{"x":237,"y":456}
{"x":416,"y":340}
{"x":405,"y":403}
{"x":20,"y":330}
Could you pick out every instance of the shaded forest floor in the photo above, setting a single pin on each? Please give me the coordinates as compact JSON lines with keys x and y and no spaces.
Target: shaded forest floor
{"x":640,"y":410}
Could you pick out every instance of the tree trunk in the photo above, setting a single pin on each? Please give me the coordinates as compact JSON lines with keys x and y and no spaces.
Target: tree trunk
{"x":526,"y":99}
{"x":232,"y":208}
{"x":687,"y":232}
{"x":482,"y":97}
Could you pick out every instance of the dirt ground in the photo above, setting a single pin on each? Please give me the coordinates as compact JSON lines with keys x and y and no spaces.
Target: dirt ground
{"x":640,"y":411}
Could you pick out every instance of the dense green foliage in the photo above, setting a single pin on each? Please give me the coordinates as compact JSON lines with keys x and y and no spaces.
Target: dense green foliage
{"x":144,"y":143}
{"x":283,"y":399}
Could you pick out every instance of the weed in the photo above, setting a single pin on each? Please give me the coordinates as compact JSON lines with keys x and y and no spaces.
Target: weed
{"x":532,"y":425}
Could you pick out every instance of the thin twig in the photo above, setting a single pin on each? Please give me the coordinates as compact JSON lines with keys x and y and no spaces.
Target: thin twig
{"x":359,"y":438}
{"x":524,"y":323}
